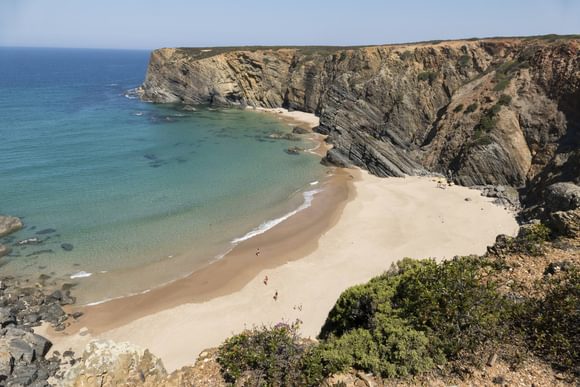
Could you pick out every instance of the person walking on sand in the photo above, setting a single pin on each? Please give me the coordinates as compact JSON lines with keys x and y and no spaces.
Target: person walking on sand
{"x":266,"y":280}
{"x":257,"y":251}
{"x":275,"y":296}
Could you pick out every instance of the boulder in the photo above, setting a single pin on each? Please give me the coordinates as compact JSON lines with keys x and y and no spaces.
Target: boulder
{"x":6,"y":363}
{"x":9,"y":224}
{"x":562,"y":197}
{"x":6,"y":317}
{"x":21,"y":351}
{"x":299,"y":130}
{"x":67,"y":246}
{"x":294,"y":150}
{"x":337,"y":158}
{"x":40,"y":344}
{"x":565,"y":222}
{"x":107,"y":364}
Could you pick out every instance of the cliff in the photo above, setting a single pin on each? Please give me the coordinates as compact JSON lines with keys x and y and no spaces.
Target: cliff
{"x":495,"y":111}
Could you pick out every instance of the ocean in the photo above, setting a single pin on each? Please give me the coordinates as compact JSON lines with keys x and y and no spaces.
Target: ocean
{"x":107,"y":183}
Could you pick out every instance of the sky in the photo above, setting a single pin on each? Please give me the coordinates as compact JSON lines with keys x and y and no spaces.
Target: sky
{"x":148,"y":24}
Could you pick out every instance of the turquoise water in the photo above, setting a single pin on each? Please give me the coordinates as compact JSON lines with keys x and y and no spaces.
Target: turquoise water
{"x":124,"y":183}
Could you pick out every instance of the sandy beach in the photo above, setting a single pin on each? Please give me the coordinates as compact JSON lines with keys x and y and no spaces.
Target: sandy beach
{"x":308,"y":260}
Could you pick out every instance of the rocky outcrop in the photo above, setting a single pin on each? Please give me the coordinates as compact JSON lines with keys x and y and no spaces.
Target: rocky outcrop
{"x":105,"y":363}
{"x":23,"y":307}
{"x":108,"y":364}
{"x":483,"y":112}
{"x":9,"y":224}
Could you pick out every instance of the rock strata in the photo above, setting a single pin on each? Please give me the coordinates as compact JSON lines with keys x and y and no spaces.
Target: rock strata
{"x":105,"y":363}
{"x":23,"y":360}
{"x":482,"y":112}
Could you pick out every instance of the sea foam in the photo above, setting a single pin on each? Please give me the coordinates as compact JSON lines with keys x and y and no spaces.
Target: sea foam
{"x":267,"y":225}
{"x":81,"y":274}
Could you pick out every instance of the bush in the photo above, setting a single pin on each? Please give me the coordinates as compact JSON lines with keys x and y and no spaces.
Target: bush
{"x":464,"y":60}
{"x":417,"y":315}
{"x":494,"y":110}
{"x":502,"y":84}
{"x":406,"y":55}
{"x":427,"y":76}
{"x":356,"y":307}
{"x":531,"y":239}
{"x":452,"y":303}
{"x":391,"y":349}
{"x":555,"y":323}
{"x":471,"y":108}
{"x":505,"y":100}
{"x":458,"y":108}
{"x":269,"y":357}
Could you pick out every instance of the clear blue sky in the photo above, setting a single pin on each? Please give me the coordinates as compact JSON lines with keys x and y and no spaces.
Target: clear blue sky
{"x":164,"y":23}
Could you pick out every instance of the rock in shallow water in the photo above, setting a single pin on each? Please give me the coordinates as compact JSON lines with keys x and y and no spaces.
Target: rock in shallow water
{"x":67,"y":246}
{"x":4,"y":250}
{"x":9,"y":224}
{"x":294,"y":150}
{"x":46,"y":231}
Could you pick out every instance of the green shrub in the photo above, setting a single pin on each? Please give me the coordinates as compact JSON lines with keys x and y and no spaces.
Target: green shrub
{"x":531,"y":239}
{"x":494,"y":110}
{"x":391,"y":349}
{"x":505,"y":100}
{"x":427,"y":76}
{"x":357,"y":306}
{"x":464,"y":60}
{"x":555,"y":323}
{"x":452,"y":304}
{"x":458,"y":108}
{"x":268,"y":357}
{"x":406,"y":55}
{"x":415,"y":316}
{"x":481,"y":138}
{"x":486,"y":123}
{"x":502,"y":84}
{"x":471,"y":108}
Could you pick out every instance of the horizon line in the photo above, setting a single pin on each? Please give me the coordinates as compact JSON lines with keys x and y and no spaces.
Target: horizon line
{"x":433,"y":41}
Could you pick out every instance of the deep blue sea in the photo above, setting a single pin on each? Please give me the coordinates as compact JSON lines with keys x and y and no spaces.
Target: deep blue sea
{"x":126,"y":184}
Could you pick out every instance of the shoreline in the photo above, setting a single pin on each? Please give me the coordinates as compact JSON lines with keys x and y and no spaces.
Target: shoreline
{"x":235,"y":269}
{"x":356,"y":227}
{"x":380,"y":222}
{"x":93,"y":289}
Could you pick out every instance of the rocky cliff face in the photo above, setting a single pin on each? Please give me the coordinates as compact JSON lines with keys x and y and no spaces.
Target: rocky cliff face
{"x":499,"y":111}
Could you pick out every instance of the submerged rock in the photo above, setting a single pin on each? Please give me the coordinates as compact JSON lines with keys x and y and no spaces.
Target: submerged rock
{"x":294,"y":150}
{"x":4,"y":250}
{"x":284,"y":136}
{"x":67,"y":246}
{"x":29,"y":241}
{"x":46,"y":231}
{"x":300,"y":130}
{"x":9,"y":224}
{"x":188,"y":108}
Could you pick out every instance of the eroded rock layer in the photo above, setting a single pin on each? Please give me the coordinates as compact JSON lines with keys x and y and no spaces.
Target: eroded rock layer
{"x":496,"y":111}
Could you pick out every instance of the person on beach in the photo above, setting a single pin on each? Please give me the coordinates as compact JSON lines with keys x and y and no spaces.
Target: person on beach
{"x":266,"y":280}
{"x":257,"y":251}
{"x":275,"y":296}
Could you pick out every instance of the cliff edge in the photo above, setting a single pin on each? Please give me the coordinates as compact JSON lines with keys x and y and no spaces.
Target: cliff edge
{"x":482,"y":112}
